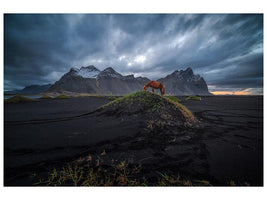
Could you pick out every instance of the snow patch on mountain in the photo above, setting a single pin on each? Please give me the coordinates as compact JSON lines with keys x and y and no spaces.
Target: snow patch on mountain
{"x":86,"y":72}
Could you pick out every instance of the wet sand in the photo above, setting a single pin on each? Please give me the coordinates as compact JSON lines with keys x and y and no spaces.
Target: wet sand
{"x":227,"y":146}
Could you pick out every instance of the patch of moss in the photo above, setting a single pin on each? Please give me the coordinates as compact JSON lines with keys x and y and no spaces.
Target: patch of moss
{"x":174,"y":99}
{"x":112,"y":98}
{"x":193,"y":98}
{"x":62,"y":96}
{"x":83,"y":95}
{"x":45,"y":97}
{"x":19,"y":98}
{"x":187,"y":113}
{"x":181,"y":107}
{"x":127,"y":101}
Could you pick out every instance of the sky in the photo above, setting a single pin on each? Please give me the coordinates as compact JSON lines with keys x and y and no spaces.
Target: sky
{"x":225,"y":49}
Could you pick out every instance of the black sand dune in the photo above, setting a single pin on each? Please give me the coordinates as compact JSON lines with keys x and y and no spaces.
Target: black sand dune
{"x":221,"y":142}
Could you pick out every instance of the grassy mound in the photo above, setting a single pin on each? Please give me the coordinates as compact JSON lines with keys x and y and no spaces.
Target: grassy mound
{"x":19,"y":98}
{"x":62,"y":96}
{"x":193,"y":98}
{"x":45,"y":97}
{"x":158,"y":111}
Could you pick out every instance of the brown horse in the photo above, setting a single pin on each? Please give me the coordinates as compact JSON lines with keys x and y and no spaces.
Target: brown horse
{"x":156,"y":85}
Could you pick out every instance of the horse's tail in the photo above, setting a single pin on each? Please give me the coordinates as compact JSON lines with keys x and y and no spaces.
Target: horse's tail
{"x":163,"y":89}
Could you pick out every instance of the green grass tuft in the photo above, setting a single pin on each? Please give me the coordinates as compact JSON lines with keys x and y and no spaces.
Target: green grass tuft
{"x":187,"y":113}
{"x":62,"y":96}
{"x":112,"y":98}
{"x":120,"y":174}
{"x":174,"y":99}
{"x":193,"y":98}
{"x":19,"y":98}
{"x":74,"y":175}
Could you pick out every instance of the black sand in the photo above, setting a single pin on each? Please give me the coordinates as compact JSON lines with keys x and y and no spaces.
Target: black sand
{"x":228,"y":144}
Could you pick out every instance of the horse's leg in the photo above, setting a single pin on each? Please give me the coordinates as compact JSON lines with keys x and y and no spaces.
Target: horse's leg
{"x":152,"y":89}
{"x":161,"y":91}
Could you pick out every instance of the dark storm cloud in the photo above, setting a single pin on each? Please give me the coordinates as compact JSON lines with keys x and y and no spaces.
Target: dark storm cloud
{"x":227,"y":50}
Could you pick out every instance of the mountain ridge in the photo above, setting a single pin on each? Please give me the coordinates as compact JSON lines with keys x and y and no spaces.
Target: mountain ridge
{"x":108,"y":81}
{"x":30,"y":89}
{"x":185,"y":82}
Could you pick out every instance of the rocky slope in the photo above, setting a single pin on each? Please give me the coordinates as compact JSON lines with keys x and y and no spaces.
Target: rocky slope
{"x":91,"y":80}
{"x":185,"y":82}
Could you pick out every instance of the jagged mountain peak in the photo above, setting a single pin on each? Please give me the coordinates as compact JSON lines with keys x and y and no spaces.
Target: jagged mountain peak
{"x":187,"y":71}
{"x":74,"y":69}
{"x":109,"y":72}
{"x":85,"y":72}
{"x":185,"y":82}
{"x":90,"y":67}
{"x":109,"y":69}
{"x":187,"y":75}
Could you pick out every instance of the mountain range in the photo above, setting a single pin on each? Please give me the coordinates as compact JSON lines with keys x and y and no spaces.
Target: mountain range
{"x":31,"y":89}
{"x":91,"y":80}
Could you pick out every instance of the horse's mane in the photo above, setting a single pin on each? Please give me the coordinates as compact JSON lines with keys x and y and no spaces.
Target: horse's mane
{"x":148,"y":84}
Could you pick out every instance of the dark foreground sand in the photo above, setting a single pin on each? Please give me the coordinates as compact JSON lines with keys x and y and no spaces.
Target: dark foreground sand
{"x":40,"y":136}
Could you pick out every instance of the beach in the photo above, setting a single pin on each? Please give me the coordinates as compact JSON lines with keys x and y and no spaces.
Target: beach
{"x":226,"y":146}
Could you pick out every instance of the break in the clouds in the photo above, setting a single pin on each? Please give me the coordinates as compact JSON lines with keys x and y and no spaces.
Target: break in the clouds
{"x":227,"y":50}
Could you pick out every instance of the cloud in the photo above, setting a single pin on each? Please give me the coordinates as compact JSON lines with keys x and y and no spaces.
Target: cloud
{"x":227,"y":50}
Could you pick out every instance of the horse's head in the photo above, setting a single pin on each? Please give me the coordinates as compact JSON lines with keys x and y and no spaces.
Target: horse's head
{"x":145,"y":87}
